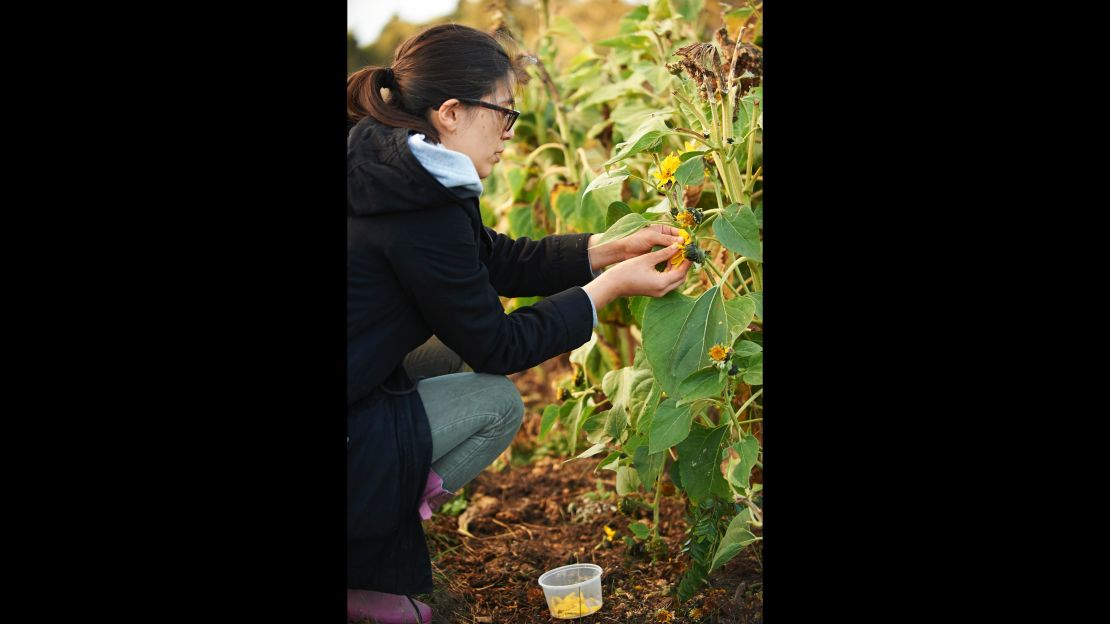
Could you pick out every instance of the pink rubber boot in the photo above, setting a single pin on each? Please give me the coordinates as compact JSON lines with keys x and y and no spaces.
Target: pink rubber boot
{"x":385,"y":608}
{"x":434,"y":495}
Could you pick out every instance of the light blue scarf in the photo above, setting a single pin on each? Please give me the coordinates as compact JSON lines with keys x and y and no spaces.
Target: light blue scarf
{"x":454,"y":170}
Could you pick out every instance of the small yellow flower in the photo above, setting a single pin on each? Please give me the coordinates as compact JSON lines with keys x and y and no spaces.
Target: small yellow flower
{"x":681,"y":255}
{"x":665,"y":175}
{"x":689,"y":146}
{"x":718,"y":352}
{"x":686,"y":218}
{"x":609,"y":533}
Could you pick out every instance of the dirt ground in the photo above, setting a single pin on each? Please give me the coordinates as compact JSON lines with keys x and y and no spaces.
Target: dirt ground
{"x":528,"y":519}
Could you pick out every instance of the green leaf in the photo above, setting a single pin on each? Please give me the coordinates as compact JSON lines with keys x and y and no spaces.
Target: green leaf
{"x":662,"y":207}
{"x":719,"y":486}
{"x":587,"y":72}
{"x":610,"y":92}
{"x":740,"y":13}
{"x":592,"y":206}
{"x":639,"y":529}
{"x":567,"y":207}
{"x":517,"y":177}
{"x":754,"y":373}
{"x":579,"y":355}
{"x":634,"y":441}
{"x":590,"y":452}
{"x":574,"y":419}
{"x":691,"y":172}
{"x":745,"y":111}
{"x":669,"y":426}
{"x":550,"y":415}
{"x":739,"y":311}
{"x":627,"y":480}
{"x":522,"y":223}
{"x":660,"y":9}
{"x":616,"y":210}
{"x":631,"y":113}
{"x":679,"y":331}
{"x":645,"y":409}
{"x":627,"y":225}
{"x":615,"y":424}
{"x":594,"y":427}
{"x":631,"y":41}
{"x":610,"y":462}
{"x":703,"y":383}
{"x":627,"y":389}
{"x":636,"y":306}
{"x":646,"y":417}
{"x":698,"y":460}
{"x":745,"y":348}
{"x":757,"y":297}
{"x":740,"y":465}
{"x":735,"y":539}
{"x":648,"y":136}
{"x":607,"y":179}
{"x":633,"y":18}
{"x":737,"y":229}
{"x":648,"y":465}
{"x":690,"y":9}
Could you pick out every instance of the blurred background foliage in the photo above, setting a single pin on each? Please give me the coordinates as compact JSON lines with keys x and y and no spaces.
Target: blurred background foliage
{"x":595,"y":20}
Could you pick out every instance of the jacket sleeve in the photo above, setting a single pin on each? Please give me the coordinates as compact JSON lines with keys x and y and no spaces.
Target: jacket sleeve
{"x":438,"y":267}
{"x":528,"y":268}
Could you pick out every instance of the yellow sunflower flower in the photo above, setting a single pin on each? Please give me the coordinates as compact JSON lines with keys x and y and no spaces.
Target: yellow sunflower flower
{"x":680,"y":256}
{"x":665,"y":175}
{"x":718,"y":352}
{"x":689,"y":146}
{"x":686,"y":218}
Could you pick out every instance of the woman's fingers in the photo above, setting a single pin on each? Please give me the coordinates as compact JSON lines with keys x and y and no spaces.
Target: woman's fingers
{"x":665,"y":253}
{"x":678,"y":272}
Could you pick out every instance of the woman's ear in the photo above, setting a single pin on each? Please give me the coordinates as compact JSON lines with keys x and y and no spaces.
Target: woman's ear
{"x":446,"y":118}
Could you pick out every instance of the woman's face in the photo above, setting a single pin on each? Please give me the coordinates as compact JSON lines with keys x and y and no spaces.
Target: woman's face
{"x":476,"y":131}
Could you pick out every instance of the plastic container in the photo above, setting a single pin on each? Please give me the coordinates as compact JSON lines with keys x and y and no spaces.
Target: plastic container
{"x":572,"y":591}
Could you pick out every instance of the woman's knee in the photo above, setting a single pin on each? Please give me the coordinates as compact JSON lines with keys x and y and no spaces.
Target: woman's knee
{"x":506,"y":397}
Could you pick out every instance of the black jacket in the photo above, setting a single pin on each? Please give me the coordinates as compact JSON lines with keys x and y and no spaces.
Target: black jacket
{"x":420,"y":262}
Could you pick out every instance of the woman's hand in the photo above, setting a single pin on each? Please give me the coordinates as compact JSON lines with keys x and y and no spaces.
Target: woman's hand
{"x":631,"y":246}
{"x":637,"y":276}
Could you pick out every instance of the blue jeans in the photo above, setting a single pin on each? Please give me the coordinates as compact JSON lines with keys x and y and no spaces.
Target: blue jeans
{"x":473,"y":416}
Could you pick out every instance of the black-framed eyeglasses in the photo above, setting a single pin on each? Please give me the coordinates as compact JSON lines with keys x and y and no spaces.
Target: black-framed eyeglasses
{"x":510,"y":114}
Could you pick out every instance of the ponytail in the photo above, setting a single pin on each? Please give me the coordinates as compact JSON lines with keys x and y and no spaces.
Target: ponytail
{"x":364,"y":99}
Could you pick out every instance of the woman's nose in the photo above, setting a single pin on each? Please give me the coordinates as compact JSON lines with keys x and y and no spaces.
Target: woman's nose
{"x":508,"y":134}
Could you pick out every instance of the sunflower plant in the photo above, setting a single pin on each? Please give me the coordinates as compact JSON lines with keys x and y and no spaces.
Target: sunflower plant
{"x":661,"y":124}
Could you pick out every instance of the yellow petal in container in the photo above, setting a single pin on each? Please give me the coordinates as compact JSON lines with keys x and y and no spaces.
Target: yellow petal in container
{"x":572,"y":591}
{"x":573,"y":605}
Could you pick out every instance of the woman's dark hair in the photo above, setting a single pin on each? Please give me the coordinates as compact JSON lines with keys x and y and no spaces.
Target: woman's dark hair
{"x":443,"y":62}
